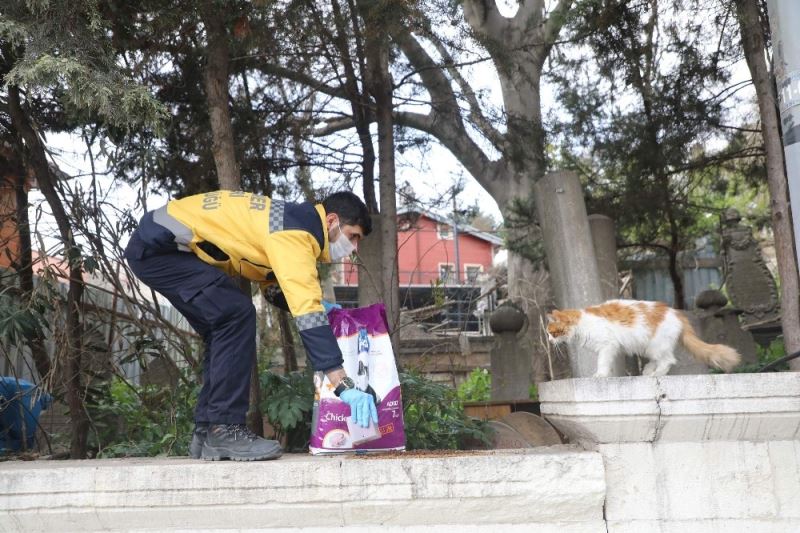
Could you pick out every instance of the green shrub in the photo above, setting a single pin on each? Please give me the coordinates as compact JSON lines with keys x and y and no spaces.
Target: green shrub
{"x":477,"y":387}
{"x":533,"y":392}
{"x":142,"y":421}
{"x":434,"y":417}
{"x":767,"y":355}
{"x":288,"y":402}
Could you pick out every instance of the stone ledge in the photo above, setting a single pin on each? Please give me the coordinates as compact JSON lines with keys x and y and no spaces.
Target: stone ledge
{"x":705,"y":526}
{"x":752,"y":407}
{"x":700,"y":486}
{"x":524,"y":488}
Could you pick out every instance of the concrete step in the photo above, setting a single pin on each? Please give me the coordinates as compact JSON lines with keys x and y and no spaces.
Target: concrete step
{"x":558,"y":489}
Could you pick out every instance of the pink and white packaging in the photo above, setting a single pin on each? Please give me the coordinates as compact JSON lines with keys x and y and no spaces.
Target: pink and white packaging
{"x":363,"y":336}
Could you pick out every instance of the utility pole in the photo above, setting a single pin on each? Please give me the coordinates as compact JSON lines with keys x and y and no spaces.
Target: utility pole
{"x":784,"y":21}
{"x":455,"y":236}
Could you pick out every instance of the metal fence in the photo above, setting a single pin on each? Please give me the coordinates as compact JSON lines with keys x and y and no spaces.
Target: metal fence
{"x":439,"y":309}
{"x":108,"y":328}
{"x":651,"y":280}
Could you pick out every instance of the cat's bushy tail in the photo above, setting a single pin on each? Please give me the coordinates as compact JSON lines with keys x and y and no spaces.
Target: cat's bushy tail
{"x":723,"y":357}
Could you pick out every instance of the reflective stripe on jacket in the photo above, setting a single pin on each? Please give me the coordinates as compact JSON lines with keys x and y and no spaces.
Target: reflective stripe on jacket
{"x":267,"y":242}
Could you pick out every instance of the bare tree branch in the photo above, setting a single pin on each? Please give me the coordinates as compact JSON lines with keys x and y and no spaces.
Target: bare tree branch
{"x":475,"y":112}
{"x":552,"y":28}
{"x":304,"y":79}
{"x":334,"y":126}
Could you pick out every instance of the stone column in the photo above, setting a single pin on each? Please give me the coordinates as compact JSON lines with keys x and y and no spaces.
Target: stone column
{"x":570,"y":252}
{"x":370,"y":282}
{"x":510,"y":356}
{"x":605,"y":248}
{"x":604,"y":240}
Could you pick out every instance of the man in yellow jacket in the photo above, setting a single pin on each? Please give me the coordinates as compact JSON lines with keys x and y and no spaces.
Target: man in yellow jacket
{"x":191,"y":251}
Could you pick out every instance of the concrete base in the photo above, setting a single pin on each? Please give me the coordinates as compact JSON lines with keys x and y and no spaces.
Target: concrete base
{"x":713,"y":453}
{"x":700,"y":486}
{"x":738,"y":407}
{"x":558,"y":489}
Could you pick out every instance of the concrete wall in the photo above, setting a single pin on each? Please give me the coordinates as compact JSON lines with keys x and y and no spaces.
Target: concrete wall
{"x":710,"y":453}
{"x":558,"y":490}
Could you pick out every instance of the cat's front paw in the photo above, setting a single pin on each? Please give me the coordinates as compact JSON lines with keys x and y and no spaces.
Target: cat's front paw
{"x":649,"y":369}
{"x":601,"y":374}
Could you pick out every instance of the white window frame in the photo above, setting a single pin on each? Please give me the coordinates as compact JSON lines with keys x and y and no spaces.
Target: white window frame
{"x":466,"y":273}
{"x":446,"y":235}
{"x":451,"y":278}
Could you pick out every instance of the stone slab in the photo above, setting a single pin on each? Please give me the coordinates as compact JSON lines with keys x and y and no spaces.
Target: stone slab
{"x":705,"y":526}
{"x":699,"y":486}
{"x":505,"y":437}
{"x":552,"y":489}
{"x":534,"y":429}
{"x":745,"y":407}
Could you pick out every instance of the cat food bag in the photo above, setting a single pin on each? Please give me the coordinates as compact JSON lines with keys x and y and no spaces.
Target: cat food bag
{"x":363,"y":336}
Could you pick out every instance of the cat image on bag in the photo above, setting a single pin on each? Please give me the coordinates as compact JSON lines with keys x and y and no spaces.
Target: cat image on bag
{"x":652,"y":330}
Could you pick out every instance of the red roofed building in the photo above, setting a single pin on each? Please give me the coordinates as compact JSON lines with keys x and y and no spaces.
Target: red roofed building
{"x":430,"y":250}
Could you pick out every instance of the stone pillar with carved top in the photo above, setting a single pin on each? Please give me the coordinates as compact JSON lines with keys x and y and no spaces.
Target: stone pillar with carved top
{"x":748,"y":281}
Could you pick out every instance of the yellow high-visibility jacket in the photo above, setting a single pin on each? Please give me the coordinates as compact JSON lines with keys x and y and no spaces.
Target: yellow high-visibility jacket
{"x":267,"y":242}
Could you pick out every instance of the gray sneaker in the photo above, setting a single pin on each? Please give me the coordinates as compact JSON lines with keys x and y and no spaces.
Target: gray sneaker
{"x":198,"y":439}
{"x":238,"y":443}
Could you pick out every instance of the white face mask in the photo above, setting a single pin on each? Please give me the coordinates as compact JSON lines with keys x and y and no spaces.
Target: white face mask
{"x":341,"y":247}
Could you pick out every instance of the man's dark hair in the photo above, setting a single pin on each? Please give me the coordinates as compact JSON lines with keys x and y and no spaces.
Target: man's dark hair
{"x":351,"y":210}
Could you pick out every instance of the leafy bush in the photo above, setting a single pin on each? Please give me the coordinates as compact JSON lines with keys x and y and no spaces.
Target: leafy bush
{"x":21,"y":321}
{"x":767,"y":355}
{"x":533,"y":392}
{"x":288,"y":402}
{"x":434,"y":417}
{"x":477,"y":387}
{"x":132,"y":421}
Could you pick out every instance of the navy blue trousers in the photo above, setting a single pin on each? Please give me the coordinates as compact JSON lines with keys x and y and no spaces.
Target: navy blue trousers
{"x":214,"y":306}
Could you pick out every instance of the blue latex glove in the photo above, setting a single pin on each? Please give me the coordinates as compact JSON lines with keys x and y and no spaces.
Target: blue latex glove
{"x":330,"y":306}
{"x":362,"y":406}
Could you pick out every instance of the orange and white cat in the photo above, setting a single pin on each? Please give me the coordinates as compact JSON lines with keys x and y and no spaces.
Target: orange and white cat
{"x":629,"y":327}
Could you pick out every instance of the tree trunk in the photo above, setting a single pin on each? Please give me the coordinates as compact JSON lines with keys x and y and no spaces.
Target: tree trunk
{"x":379,"y":81}
{"x":228,"y":174}
{"x":216,"y":85}
{"x":287,"y":343}
{"x":73,"y":347}
{"x":24,"y":267}
{"x":754,"y":50}
{"x":675,"y":268}
{"x":370,"y":254}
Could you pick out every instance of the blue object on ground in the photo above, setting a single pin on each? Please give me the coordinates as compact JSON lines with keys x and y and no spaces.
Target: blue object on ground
{"x":21,"y":402}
